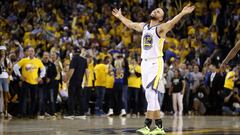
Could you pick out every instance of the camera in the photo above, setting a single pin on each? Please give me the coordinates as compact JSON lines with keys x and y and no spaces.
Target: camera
{"x":235,"y":92}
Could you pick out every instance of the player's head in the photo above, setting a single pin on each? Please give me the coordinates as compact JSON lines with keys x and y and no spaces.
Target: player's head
{"x":157,"y":14}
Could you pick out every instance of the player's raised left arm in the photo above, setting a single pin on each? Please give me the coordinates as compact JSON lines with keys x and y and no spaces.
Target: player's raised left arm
{"x":171,"y":23}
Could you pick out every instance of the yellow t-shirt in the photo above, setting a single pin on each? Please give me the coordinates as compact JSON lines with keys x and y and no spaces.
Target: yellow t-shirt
{"x":183,"y":54}
{"x":215,"y":5}
{"x":229,"y":80}
{"x":109,"y":81}
{"x":191,"y":30}
{"x":133,"y":80}
{"x":214,"y":36}
{"x":26,"y":35}
{"x":63,"y":86}
{"x":100,"y":71}
{"x":172,"y":40}
{"x":104,"y":37}
{"x":119,"y":29}
{"x":48,"y":27}
{"x":90,"y":75}
{"x":57,"y":34}
{"x":31,"y":42}
{"x":126,"y":38}
{"x":214,"y":19}
{"x":30,"y":69}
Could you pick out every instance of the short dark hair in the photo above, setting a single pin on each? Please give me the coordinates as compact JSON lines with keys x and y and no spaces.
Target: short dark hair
{"x":77,"y":49}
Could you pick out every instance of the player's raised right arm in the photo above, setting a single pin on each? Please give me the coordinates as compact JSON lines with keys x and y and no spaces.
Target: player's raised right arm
{"x":232,"y":53}
{"x":130,"y":24}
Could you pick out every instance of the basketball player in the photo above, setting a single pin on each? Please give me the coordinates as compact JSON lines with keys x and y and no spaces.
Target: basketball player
{"x":231,"y":54}
{"x":153,"y":36}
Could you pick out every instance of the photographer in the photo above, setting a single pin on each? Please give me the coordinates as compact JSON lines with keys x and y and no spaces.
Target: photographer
{"x":232,"y":103}
{"x":200,"y":100}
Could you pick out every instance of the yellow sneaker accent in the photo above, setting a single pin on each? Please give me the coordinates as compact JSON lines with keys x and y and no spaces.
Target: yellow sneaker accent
{"x":157,"y":131}
{"x":144,"y":131}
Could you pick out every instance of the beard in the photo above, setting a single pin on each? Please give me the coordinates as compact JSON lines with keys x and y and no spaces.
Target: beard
{"x":153,"y":18}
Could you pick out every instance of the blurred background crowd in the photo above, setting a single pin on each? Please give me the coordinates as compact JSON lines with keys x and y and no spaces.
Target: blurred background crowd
{"x":193,"y":52}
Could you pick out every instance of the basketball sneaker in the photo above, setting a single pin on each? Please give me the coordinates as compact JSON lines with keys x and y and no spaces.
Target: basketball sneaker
{"x":157,"y":131}
{"x":123,"y":113}
{"x":110,"y":112}
{"x":143,"y":131}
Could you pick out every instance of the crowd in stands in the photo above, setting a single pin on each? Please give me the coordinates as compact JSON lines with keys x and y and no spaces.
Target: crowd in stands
{"x":41,"y":37}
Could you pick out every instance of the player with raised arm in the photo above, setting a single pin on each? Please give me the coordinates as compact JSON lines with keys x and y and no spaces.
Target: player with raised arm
{"x":153,"y":36}
{"x":231,"y":54}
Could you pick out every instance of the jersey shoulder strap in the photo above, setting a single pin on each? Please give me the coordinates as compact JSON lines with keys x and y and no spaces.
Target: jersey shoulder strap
{"x":145,"y":24}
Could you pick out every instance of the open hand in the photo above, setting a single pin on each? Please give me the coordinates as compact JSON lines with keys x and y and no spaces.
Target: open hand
{"x":117,"y":13}
{"x":188,"y":9}
{"x":223,"y":67}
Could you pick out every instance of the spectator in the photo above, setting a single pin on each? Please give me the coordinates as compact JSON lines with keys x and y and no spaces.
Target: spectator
{"x":118,"y":85}
{"x":30,"y":80}
{"x":58,"y":79}
{"x":134,"y":85}
{"x":215,"y":84}
{"x":196,"y":77}
{"x":89,"y":85}
{"x":167,"y":97}
{"x":109,"y":87}
{"x":46,"y":89}
{"x":100,"y":71}
{"x":229,"y":81}
{"x":5,"y":68}
{"x":125,"y":85}
{"x":14,"y":88}
{"x":177,"y":90}
{"x":77,"y":69}
{"x":63,"y":90}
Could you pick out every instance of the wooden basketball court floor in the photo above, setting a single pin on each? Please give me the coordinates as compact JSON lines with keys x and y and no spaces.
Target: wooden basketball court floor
{"x":186,"y":125}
